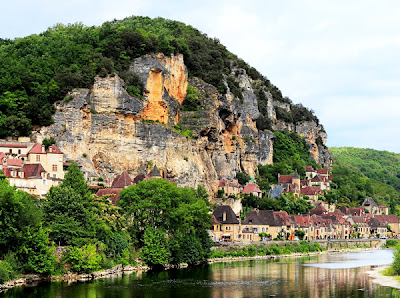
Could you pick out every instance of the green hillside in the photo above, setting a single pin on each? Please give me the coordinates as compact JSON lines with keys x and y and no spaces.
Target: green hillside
{"x":38,"y":70}
{"x":366,"y":172}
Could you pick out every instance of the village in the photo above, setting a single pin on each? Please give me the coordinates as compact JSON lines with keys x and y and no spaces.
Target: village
{"x":35,"y":168}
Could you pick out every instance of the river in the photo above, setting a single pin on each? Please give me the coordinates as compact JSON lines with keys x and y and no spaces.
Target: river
{"x":327,"y":275}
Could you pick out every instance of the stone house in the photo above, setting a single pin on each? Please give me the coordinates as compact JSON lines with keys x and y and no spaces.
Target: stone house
{"x":226,"y":226}
{"x":377,"y":227}
{"x":252,"y":189}
{"x":41,"y":170}
{"x":275,"y":223}
{"x":373,"y":208}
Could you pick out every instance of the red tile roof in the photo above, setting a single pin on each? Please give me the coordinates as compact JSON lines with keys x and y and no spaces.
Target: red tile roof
{"x":388,"y":218}
{"x":53,"y":149}
{"x":36,"y":149}
{"x":214,"y":220}
{"x":122,"y":181}
{"x":309,"y":169}
{"x":33,"y":170}
{"x":110,"y":191}
{"x":2,"y":155}
{"x":285,"y":179}
{"x":322,"y":171}
{"x":14,"y":162}
{"x":311,"y":190}
{"x":250,"y":188}
{"x":14,"y":145}
{"x":224,"y":182}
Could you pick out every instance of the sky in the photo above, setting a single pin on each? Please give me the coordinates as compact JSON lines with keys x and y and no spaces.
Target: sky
{"x":339,"y":58}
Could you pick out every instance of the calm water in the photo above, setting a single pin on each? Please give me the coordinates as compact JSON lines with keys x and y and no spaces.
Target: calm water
{"x":336,"y":275}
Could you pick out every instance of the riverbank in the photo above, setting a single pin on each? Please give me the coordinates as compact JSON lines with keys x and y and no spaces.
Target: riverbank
{"x":383,"y":280}
{"x":32,"y":279}
{"x":293,"y":255}
{"x":119,"y":269}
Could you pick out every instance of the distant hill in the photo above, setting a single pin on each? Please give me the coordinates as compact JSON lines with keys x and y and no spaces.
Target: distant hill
{"x":360,"y":172}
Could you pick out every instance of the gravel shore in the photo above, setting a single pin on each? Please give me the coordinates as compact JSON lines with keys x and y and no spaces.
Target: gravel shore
{"x":382,"y":280}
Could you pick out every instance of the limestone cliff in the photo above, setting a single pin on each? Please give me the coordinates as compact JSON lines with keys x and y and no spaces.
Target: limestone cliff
{"x":119,"y":132}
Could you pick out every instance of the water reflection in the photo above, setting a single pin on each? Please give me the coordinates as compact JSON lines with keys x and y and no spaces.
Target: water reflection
{"x":305,"y":277}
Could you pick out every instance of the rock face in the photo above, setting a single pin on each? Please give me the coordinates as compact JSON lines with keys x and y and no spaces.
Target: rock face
{"x":119,"y":132}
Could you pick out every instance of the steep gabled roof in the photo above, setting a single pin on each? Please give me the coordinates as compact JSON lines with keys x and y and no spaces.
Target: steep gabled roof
{"x":53,"y":149}
{"x":122,"y":181}
{"x":155,"y":172}
{"x":250,"y":188}
{"x":36,"y":149}
{"x":214,"y":220}
{"x":317,"y":179}
{"x":33,"y":170}
{"x":309,"y":169}
{"x":369,"y":202}
{"x":322,"y":171}
{"x":230,"y":215}
{"x":140,"y":177}
{"x":376,"y":223}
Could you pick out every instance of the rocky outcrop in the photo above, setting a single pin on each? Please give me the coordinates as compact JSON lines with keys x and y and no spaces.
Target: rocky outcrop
{"x":119,"y":132}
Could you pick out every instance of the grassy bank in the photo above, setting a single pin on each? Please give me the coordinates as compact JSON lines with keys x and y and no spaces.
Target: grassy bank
{"x":262,"y":250}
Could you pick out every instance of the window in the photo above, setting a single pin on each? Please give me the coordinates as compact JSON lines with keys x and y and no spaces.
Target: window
{"x":54,"y":168}
{"x":10,"y":151}
{"x":19,"y":151}
{"x":37,"y":157}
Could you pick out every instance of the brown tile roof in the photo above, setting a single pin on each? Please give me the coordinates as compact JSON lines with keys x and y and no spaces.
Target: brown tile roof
{"x":140,"y":177}
{"x":285,"y":179}
{"x":388,"y":218}
{"x":267,"y":217}
{"x":155,"y":172}
{"x":54,"y":150}
{"x":311,"y":191}
{"x":225,"y":182}
{"x":359,"y":219}
{"x":33,"y":170}
{"x":250,"y":188}
{"x":230,"y":215}
{"x":317,"y":179}
{"x":110,"y":191}
{"x":301,"y":221}
{"x":122,"y":181}
{"x":14,"y":145}
{"x":309,"y":169}
{"x":376,"y":223}
{"x":322,"y":171}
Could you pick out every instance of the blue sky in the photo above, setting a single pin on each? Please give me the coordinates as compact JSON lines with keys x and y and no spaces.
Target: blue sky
{"x":339,"y":58}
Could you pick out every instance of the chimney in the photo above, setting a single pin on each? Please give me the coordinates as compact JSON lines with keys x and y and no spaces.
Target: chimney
{"x":51,"y":148}
{"x":224,"y":216}
{"x":43,"y":148}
